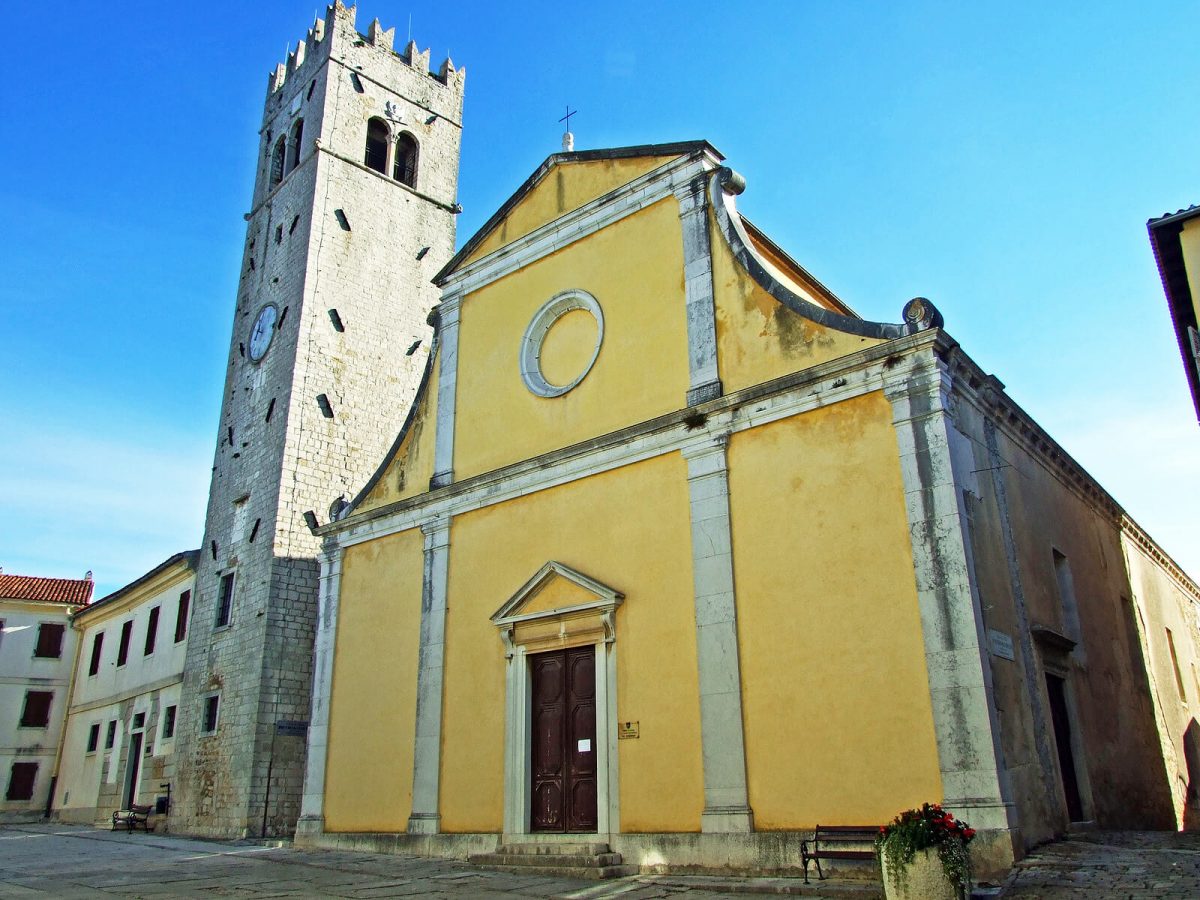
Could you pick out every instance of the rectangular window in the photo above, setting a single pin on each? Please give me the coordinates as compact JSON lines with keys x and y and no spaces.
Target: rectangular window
{"x":1068,"y":603}
{"x":1175,"y":665}
{"x":36,"y":713}
{"x":151,"y":631}
{"x":123,"y":649}
{"x":20,"y":781}
{"x":168,"y":730}
{"x":97,"y":648}
{"x":225,"y":600}
{"x":93,"y":738}
{"x":211,"y":705}
{"x":139,"y":720}
{"x":50,"y":640}
{"x":110,"y":736}
{"x":181,"y":616}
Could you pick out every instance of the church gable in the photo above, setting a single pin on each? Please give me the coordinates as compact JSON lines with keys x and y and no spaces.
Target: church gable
{"x":563,"y":183}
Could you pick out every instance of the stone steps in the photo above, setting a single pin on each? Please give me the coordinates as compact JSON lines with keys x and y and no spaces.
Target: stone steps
{"x":560,"y":860}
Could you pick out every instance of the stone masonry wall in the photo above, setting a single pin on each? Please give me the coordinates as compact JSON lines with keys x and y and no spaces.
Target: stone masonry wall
{"x":346,"y":256}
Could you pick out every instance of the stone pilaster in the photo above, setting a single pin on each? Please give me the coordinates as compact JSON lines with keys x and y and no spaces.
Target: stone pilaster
{"x":704,"y":381}
{"x":974,"y":780}
{"x":443,"y":448}
{"x":726,"y":803}
{"x":312,"y":803}
{"x":427,"y":749}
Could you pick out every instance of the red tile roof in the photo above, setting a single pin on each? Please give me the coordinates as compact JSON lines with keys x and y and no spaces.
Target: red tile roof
{"x":73,"y":591}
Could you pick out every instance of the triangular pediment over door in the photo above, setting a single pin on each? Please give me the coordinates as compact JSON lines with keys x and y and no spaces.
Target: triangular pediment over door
{"x":558,"y":607}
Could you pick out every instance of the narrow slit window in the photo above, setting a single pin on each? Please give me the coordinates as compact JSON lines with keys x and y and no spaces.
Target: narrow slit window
{"x":212,"y":705}
{"x":1175,"y":665}
{"x":168,"y":728}
{"x":225,"y":600}
{"x":93,"y":737}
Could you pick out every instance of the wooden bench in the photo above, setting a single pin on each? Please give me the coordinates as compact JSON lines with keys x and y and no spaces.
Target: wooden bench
{"x":134,"y":817}
{"x":831,"y":842}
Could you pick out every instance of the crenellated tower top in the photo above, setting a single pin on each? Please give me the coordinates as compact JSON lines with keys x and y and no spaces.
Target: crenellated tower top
{"x":339,"y":23}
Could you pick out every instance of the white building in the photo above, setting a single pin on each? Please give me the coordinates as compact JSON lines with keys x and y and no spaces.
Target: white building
{"x":119,"y":739}
{"x":37,"y":651}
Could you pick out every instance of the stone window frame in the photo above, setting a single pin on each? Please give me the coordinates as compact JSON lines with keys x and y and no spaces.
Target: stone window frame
{"x":585,"y":624}
{"x":229,"y":573}
{"x":205,"y":700}
{"x":535,"y":336}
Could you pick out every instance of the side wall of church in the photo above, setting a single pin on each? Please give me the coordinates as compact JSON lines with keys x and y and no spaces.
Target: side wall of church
{"x":838,"y":717}
{"x":1048,"y":563}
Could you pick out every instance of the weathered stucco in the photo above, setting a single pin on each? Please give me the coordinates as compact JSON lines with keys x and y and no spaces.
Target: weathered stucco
{"x":564,"y":187}
{"x":838,"y":719}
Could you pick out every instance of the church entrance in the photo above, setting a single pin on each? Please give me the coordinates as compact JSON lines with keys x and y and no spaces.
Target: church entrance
{"x":563,"y":721}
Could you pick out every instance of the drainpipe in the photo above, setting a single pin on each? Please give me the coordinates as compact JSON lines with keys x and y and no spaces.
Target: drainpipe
{"x":62,"y":734}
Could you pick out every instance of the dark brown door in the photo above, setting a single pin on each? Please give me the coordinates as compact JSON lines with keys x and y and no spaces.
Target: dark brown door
{"x":564,"y":740}
{"x":1060,"y":716}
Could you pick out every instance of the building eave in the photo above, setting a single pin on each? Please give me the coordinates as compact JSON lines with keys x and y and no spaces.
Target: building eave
{"x":1168,"y":254}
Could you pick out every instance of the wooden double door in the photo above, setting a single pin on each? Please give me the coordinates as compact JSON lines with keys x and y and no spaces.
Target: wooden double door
{"x":563,"y":782}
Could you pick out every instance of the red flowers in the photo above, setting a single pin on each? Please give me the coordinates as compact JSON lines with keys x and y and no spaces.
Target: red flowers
{"x":930,"y":825}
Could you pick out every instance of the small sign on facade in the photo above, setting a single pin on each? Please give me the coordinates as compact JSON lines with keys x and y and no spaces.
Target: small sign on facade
{"x":585,"y":745}
{"x":289,"y":728}
{"x":1000,"y":644}
{"x":627,"y":730}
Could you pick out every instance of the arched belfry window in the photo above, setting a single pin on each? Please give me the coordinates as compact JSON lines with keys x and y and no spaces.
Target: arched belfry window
{"x":297,"y":137}
{"x":377,"y":145}
{"x":277,"y":157}
{"x":405,"y":167}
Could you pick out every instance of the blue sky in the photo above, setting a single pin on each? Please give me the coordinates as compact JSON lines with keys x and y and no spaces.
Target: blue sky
{"x":1000,"y":160}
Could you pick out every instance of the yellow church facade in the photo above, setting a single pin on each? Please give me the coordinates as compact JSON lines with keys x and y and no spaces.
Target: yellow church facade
{"x":677,"y":553}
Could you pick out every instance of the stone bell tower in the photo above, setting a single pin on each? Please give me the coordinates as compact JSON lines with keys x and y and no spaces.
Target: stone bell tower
{"x":353,"y":212}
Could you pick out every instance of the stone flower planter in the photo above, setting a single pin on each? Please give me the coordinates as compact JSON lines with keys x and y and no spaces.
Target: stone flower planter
{"x":923,"y":879}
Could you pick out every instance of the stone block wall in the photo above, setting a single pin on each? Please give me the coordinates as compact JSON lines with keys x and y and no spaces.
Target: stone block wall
{"x":345,"y":254}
